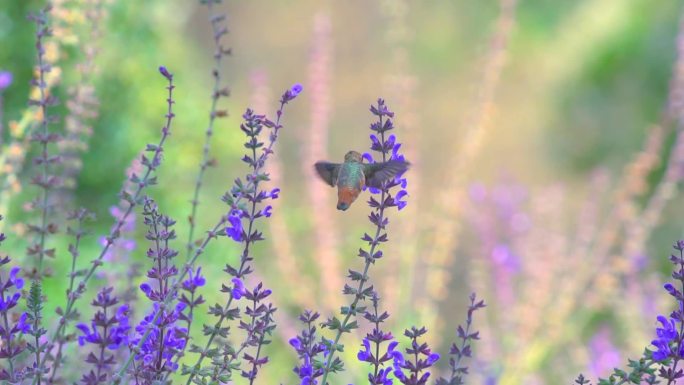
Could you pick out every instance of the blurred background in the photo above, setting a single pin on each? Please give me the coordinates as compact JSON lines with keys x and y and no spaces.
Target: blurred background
{"x":544,"y":137}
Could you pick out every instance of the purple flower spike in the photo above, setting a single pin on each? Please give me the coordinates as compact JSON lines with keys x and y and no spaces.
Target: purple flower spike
{"x":159,"y":336}
{"x":414,"y":369}
{"x":104,"y":333}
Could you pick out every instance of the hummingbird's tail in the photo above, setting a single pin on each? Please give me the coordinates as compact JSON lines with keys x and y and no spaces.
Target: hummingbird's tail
{"x":342,"y":206}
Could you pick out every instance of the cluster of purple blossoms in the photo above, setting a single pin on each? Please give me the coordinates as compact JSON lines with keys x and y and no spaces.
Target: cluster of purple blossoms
{"x":164,"y":341}
{"x":668,"y":340}
{"x":663,"y":362}
{"x":380,"y":374}
{"x":258,"y":329}
{"x":252,"y":126}
{"x":388,"y":149}
{"x":414,"y":372}
{"x":194,"y":281}
{"x":308,"y":370}
{"x":162,"y":338}
{"x":8,"y":301}
{"x":387,"y":146}
{"x":666,"y":336}
{"x":108,"y":330}
{"x":191,"y":300}
{"x":12,"y":325}
{"x":236,"y":231}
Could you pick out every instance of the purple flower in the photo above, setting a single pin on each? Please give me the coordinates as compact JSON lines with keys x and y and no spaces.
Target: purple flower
{"x":672,"y":290}
{"x":193,"y":282}
{"x":23,"y":326}
{"x":5,"y":80}
{"x":295,"y":343}
{"x":165,"y":72}
{"x":173,"y":341}
{"x":291,"y":93}
{"x":296,"y":89}
{"x":7,"y":300}
{"x":365,"y":354}
{"x":238,"y":288}
{"x":235,"y":229}
{"x":398,"y":199}
{"x":668,"y":331}
{"x":88,"y":335}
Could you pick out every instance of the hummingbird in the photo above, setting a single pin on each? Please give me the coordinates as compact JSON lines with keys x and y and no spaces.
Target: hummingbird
{"x":351,"y":176}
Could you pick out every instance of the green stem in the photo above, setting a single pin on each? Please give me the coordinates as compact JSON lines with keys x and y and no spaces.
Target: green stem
{"x":218,"y":55}
{"x":364,"y":277}
{"x":58,"y":334}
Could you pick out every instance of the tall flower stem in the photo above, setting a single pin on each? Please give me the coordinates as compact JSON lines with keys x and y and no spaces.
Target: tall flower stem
{"x":45,"y":181}
{"x":81,"y":216}
{"x":359,"y":292}
{"x":465,"y":349}
{"x":105,"y":337}
{"x":213,"y":233}
{"x":219,"y":31}
{"x":357,"y":298}
{"x":142,"y":182}
{"x":677,"y":356}
{"x":257,"y":166}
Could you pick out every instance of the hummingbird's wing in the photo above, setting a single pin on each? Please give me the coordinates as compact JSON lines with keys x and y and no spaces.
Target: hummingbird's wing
{"x":376,"y":173}
{"x":328,"y":172}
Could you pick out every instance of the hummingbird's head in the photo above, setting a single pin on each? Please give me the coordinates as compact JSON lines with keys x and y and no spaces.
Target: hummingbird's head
{"x":353,"y":156}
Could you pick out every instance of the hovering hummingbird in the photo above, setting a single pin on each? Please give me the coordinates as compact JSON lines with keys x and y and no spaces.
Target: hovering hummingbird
{"x":350,"y":177}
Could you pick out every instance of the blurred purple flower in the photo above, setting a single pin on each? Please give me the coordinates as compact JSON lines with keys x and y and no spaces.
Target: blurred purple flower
{"x":5,"y":79}
{"x":605,"y":355}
